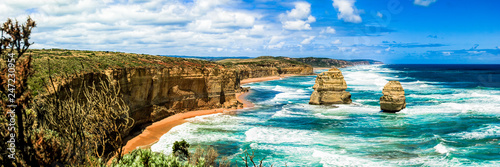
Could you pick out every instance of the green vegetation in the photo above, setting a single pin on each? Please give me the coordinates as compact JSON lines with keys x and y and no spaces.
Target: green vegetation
{"x":140,"y":157}
{"x":327,"y":62}
{"x":263,"y":61}
{"x":323,"y":62}
{"x":208,"y":157}
{"x":180,"y":149}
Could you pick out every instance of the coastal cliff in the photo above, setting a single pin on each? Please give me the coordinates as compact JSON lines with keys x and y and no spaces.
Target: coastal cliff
{"x":156,"y":87}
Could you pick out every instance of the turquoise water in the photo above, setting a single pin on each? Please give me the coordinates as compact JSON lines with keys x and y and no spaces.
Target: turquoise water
{"x":452,"y":119}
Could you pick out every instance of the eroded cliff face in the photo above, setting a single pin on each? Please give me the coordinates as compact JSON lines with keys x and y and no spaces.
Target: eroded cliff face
{"x":155,"y":93}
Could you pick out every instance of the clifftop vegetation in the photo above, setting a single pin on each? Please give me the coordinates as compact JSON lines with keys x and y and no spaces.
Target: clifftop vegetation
{"x":327,"y":62}
{"x":263,"y":61}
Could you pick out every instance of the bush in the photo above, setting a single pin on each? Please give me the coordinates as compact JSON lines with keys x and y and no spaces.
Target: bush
{"x":180,"y":149}
{"x":140,"y":157}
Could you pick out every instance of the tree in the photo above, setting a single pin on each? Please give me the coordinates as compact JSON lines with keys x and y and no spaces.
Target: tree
{"x":180,"y":149}
{"x":13,"y":45}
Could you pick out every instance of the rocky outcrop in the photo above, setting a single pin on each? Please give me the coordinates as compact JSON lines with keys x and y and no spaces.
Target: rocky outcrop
{"x":330,"y":89}
{"x":393,"y":99}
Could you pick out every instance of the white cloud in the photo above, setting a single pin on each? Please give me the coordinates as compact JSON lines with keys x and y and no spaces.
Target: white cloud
{"x":298,"y":18}
{"x":424,"y":2}
{"x":328,"y":30}
{"x":446,"y":53}
{"x":336,"y":42}
{"x":380,"y":14}
{"x":307,"y":40}
{"x":388,"y":49}
{"x":347,"y":11}
{"x":277,"y":46}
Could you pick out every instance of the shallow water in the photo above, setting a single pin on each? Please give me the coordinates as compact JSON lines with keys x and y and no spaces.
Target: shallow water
{"x":452,"y":119}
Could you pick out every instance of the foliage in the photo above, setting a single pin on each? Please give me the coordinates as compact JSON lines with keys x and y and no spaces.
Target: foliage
{"x":180,"y":149}
{"x":14,"y":81}
{"x":88,"y":124}
{"x":141,"y":157}
{"x":208,"y":156}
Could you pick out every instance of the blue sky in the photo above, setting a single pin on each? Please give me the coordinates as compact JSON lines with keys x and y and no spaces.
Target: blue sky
{"x":393,"y":31}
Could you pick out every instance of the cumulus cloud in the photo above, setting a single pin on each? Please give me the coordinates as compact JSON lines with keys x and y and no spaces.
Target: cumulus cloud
{"x":298,"y":18}
{"x":380,"y":14}
{"x":423,"y":2}
{"x":277,"y":46}
{"x":328,"y":30}
{"x":347,"y":11}
{"x":307,"y":40}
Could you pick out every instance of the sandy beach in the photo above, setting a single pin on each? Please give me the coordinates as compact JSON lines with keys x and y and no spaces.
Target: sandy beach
{"x":153,"y":132}
{"x":321,"y":68}
{"x":252,"y":80}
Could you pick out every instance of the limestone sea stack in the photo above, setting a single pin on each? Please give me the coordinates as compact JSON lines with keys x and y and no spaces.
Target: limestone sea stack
{"x":393,"y":99}
{"x":330,"y":89}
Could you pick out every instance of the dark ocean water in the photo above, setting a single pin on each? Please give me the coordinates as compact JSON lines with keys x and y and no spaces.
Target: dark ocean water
{"x":452,"y":119}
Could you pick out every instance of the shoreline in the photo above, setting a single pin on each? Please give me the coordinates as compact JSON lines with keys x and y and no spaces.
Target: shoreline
{"x":152,"y":133}
{"x":270,"y":78}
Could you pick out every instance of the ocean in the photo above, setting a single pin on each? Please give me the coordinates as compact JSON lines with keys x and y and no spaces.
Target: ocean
{"x":452,"y":119}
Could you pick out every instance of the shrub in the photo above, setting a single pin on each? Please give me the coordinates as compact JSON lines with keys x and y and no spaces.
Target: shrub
{"x":180,"y":149}
{"x":141,"y":157}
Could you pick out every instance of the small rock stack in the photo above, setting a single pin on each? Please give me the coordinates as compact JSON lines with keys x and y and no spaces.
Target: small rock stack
{"x":393,"y":99}
{"x":330,"y":89}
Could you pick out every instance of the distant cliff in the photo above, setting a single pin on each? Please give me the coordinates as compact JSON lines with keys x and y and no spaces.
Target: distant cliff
{"x":327,"y":62}
{"x":266,"y":66}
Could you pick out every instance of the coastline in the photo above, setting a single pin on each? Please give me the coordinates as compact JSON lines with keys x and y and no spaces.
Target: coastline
{"x":152,"y":133}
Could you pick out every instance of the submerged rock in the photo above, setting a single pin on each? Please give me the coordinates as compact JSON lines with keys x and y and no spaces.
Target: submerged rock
{"x":393,"y":99}
{"x":330,"y":89}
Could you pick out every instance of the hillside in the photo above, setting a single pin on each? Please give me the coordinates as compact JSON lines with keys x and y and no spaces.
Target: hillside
{"x":327,"y":62}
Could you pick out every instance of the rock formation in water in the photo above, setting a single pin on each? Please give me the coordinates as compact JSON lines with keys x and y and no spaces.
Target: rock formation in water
{"x":330,"y":89}
{"x":393,"y":99}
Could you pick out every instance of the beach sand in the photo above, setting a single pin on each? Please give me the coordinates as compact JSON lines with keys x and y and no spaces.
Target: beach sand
{"x":252,"y":80}
{"x":153,"y":132}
